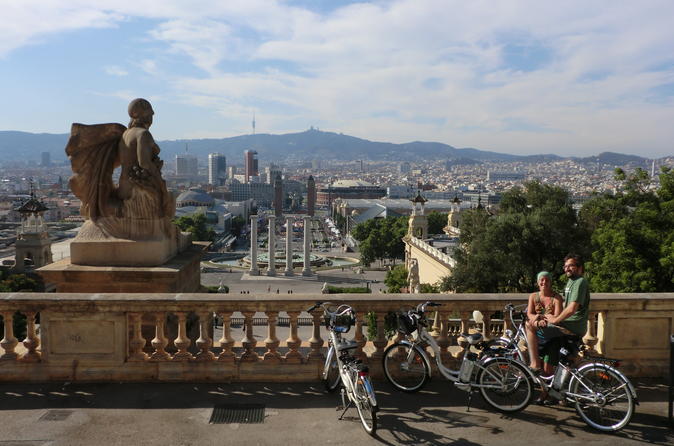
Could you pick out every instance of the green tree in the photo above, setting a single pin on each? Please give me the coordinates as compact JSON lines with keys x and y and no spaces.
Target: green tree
{"x":237,"y":225}
{"x":396,"y":279}
{"x":436,"y":221}
{"x":535,"y":227}
{"x":196,"y":225}
{"x":633,"y":244}
{"x":380,"y":238}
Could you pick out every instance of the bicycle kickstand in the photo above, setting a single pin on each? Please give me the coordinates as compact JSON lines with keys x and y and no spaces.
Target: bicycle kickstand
{"x":470,"y":397}
{"x":344,"y":405}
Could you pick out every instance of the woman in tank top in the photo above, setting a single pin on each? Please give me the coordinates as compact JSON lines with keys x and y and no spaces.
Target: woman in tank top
{"x":544,"y":301}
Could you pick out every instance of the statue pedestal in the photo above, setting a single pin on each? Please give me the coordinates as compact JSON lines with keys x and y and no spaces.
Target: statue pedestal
{"x":180,"y":274}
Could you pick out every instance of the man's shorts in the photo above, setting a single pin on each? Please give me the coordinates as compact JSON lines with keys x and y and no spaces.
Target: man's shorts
{"x":549,"y":342}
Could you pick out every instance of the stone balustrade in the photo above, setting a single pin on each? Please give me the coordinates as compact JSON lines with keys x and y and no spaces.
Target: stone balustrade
{"x":434,"y":252}
{"x":169,"y":337}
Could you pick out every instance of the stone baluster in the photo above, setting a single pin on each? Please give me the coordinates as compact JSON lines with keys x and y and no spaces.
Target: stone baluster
{"x":359,"y":338}
{"x":272,"y":342}
{"x":590,"y":339}
{"x":271,"y":242}
{"x":32,"y":342}
{"x":205,"y":342}
{"x":315,"y":342}
{"x":486,"y":326}
{"x":254,"y":270}
{"x":435,"y":326}
{"x":9,"y":342}
{"x":465,"y":325}
{"x":293,"y":356}
{"x":289,"y":247}
{"x":137,"y":341}
{"x":226,"y":341}
{"x":443,"y":337}
{"x":159,"y":342}
{"x":602,"y":317}
{"x":182,"y":342}
{"x":248,"y":342}
{"x":380,"y":341}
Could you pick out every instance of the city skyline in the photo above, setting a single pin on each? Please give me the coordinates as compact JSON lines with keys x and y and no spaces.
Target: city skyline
{"x":521,"y":78}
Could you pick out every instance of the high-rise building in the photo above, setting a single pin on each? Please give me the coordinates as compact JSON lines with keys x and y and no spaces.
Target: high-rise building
{"x":217,"y":169}
{"x":311,"y":196}
{"x":186,"y":166}
{"x":278,"y":196}
{"x":250,"y":164}
{"x":231,"y":171}
{"x":270,"y":173}
{"x":46,"y":159}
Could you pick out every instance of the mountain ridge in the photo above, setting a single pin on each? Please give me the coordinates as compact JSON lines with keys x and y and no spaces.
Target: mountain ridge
{"x":310,"y":144}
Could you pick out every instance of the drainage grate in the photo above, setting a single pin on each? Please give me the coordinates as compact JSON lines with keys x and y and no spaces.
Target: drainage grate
{"x":237,"y":413}
{"x":56,"y":415}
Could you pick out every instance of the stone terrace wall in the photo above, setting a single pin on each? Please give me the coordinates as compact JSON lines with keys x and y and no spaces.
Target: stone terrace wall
{"x":123,"y":337}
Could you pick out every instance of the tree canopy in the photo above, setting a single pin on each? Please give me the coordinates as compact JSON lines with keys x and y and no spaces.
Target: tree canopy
{"x":380,"y":238}
{"x":533,"y":230}
{"x":632,"y":235}
{"x":196,"y":225}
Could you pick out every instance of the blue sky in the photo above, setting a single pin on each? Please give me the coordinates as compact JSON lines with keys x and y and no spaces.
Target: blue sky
{"x":572,"y":77}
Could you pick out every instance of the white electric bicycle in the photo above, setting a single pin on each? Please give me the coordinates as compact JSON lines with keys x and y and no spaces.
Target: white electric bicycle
{"x":342,"y":367}
{"x":504,"y":383}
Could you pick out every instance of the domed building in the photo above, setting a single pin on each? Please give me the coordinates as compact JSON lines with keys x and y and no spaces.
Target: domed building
{"x":194,"y":197}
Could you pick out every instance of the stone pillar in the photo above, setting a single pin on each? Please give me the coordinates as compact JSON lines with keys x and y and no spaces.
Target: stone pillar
{"x":306,"y":271}
{"x":271,"y":268}
{"x":289,"y":247}
{"x":253,"y":271}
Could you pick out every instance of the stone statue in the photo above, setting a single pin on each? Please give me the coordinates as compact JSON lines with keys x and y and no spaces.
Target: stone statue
{"x":413,"y":277}
{"x":137,"y":209}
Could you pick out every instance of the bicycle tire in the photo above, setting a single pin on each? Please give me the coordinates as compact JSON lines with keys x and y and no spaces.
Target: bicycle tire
{"x":366,"y":411}
{"x":616,"y":405}
{"x":331,"y":379}
{"x":405,"y":372}
{"x":511,"y":387}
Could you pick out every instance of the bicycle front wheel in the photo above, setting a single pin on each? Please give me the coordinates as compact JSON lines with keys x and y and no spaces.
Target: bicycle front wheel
{"x":603,"y":398}
{"x":505,"y":385}
{"x":331,"y":378}
{"x":406,"y":367}
{"x":366,"y":410}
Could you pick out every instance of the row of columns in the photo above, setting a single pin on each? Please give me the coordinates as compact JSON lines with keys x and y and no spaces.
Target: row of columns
{"x":271,"y":270}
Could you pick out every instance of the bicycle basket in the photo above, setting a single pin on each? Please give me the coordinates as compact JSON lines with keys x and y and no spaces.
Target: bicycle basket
{"x":406,"y":323}
{"x":342,"y":323}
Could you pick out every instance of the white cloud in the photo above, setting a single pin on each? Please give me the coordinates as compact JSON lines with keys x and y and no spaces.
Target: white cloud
{"x":406,"y":69}
{"x":115,"y":70}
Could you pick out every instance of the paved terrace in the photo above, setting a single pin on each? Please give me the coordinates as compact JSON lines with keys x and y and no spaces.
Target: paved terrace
{"x":297,"y":414}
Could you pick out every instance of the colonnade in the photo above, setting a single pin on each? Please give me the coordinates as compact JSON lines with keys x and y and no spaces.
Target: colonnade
{"x":254,"y":270}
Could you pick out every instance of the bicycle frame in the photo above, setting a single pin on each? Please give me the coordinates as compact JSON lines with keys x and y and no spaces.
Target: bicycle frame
{"x":572,"y":372}
{"x":421,"y":335}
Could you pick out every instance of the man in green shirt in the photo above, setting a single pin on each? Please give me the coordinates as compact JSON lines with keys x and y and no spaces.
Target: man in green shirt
{"x":573,"y":318}
{"x":576,"y":298}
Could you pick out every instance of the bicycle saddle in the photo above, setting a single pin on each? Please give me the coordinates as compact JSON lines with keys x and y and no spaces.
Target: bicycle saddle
{"x":472,"y":339}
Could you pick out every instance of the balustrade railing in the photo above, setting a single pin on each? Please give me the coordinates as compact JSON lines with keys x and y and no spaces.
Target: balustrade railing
{"x":171,"y":337}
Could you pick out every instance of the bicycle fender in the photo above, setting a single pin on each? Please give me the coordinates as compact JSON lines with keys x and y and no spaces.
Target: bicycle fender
{"x":424,"y":356}
{"x":617,"y":372}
